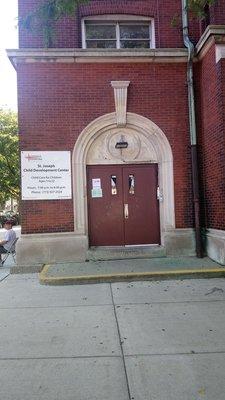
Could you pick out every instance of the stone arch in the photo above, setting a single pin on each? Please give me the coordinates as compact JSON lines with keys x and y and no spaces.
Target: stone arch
{"x":157,"y":150}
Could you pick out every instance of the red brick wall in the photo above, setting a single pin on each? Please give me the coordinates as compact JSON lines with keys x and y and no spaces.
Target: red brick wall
{"x":217,"y":13}
{"x":69,"y":32}
{"x":56,"y":102}
{"x":210,"y":102}
{"x":47,"y":216}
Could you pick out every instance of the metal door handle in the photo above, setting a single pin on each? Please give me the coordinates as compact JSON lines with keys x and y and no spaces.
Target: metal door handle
{"x":126,"y":211}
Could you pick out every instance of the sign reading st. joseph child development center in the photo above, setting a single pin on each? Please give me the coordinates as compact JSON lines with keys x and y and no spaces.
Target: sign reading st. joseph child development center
{"x":46,"y":175}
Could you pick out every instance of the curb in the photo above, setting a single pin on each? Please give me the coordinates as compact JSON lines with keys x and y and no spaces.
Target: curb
{"x":130,"y":276}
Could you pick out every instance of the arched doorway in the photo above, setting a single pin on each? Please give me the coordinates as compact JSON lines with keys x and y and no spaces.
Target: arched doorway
{"x":147,"y":145}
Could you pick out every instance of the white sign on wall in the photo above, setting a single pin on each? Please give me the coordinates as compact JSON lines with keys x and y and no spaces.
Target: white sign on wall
{"x":46,"y":175}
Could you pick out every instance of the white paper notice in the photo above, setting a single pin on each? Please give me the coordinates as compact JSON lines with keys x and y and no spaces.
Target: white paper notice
{"x":96,"y":183}
{"x":46,"y":175}
{"x":96,"y":192}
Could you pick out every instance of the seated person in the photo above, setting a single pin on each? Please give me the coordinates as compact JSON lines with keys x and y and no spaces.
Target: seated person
{"x":9,"y":237}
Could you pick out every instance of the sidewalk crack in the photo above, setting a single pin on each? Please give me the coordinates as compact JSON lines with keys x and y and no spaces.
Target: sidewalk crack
{"x":121,"y":344}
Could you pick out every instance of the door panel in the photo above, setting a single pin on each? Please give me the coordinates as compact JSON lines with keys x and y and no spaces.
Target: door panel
{"x":105,"y":213}
{"x":140,"y":193}
{"x":128,"y":211}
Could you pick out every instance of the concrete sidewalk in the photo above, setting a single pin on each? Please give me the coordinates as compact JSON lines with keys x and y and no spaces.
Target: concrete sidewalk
{"x":133,"y":269}
{"x":128,"y":341}
{"x":5,"y":270}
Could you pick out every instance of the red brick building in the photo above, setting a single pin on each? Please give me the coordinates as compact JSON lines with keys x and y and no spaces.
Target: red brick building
{"x":112,"y":95}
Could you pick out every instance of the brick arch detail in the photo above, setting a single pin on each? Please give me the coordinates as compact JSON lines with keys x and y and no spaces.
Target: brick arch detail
{"x":144,"y":8}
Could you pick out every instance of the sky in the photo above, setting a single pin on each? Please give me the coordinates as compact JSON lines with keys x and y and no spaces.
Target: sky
{"x":8,"y":40}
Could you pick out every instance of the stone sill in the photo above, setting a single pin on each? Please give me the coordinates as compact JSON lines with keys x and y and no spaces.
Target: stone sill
{"x":17,"y":56}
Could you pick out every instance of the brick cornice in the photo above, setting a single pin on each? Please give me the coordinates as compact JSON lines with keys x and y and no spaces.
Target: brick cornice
{"x":96,"y":56}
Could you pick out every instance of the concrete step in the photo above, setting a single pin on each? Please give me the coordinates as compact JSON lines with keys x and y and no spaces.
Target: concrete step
{"x":121,"y":253}
{"x":129,"y":270}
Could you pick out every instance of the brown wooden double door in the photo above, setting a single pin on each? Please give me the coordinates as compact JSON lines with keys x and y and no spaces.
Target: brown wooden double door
{"x":122,"y":205}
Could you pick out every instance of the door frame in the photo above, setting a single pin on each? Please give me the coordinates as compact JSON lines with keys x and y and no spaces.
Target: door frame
{"x":142,"y":165}
{"x":157,"y":144}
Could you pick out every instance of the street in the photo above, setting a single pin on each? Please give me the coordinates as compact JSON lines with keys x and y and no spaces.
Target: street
{"x":141,"y":340}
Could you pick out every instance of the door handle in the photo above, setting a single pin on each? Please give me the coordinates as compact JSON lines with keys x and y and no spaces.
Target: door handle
{"x":126,"y":211}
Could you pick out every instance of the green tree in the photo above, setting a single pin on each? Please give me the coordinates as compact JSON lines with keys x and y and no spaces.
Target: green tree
{"x":44,"y":17}
{"x":198,"y":6}
{"x":9,"y":156}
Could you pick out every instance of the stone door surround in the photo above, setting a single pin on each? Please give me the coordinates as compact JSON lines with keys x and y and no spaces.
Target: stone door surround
{"x":146,"y":143}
